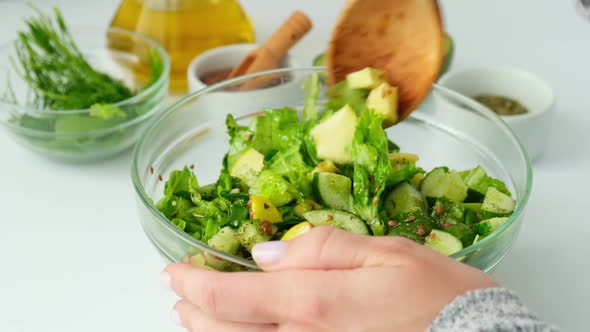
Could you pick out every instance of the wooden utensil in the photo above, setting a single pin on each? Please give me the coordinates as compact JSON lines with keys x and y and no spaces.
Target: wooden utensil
{"x":404,"y":38}
{"x":270,"y":54}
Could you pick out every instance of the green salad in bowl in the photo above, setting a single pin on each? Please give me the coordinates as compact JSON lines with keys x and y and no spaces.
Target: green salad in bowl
{"x":329,"y":162}
{"x":284,"y":174}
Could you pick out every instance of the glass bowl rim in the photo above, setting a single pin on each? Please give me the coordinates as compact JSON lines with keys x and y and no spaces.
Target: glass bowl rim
{"x":148,"y":202}
{"x":158,"y":85}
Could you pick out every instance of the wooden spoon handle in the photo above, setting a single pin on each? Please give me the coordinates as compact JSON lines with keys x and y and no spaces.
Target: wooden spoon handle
{"x":296,"y":26}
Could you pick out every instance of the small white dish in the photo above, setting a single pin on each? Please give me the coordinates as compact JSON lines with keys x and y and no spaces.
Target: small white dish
{"x":531,"y":91}
{"x":241,"y":102}
{"x":221,"y":58}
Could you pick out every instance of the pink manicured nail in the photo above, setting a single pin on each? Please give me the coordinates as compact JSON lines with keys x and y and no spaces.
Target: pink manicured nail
{"x":266,"y":253}
{"x":165,"y":280}
{"x":175,"y":317}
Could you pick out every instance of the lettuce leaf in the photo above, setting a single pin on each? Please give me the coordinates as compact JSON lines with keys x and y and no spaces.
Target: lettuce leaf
{"x":372,"y":169}
{"x":240,"y":139}
{"x":290,"y":165}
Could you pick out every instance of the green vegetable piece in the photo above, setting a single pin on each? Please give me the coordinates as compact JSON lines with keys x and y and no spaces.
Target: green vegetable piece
{"x":320,"y":60}
{"x":225,"y":240}
{"x":403,"y":199}
{"x":497,"y":202}
{"x":442,"y":183}
{"x":290,"y":165}
{"x":81,"y":123}
{"x":107,"y":112}
{"x":478,"y":180}
{"x":449,"y":52}
{"x":181,"y":224}
{"x":305,"y":206}
{"x":462,"y":232}
{"x":262,"y":134}
{"x":340,"y":219}
{"x":273,"y":187}
{"x":372,"y":169}
{"x":181,"y":183}
{"x":487,"y":227}
{"x":341,"y":94}
{"x":312,"y":90}
{"x":446,"y":212}
{"x":333,"y":190}
{"x":414,"y":226}
{"x":443,"y":242}
{"x":255,"y":231}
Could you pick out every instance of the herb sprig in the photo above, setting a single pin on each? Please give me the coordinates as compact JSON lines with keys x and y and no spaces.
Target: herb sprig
{"x":56,"y":70}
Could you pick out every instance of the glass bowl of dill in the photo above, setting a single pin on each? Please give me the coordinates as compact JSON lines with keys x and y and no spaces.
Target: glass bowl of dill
{"x":81,"y":93}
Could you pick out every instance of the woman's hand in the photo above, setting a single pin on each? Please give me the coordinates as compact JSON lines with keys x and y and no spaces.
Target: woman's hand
{"x":326,"y":280}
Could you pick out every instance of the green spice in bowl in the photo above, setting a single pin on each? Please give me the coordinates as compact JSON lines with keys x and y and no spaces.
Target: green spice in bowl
{"x":82,"y":93}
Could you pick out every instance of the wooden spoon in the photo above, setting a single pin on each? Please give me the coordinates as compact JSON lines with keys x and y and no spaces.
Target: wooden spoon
{"x":404,"y":38}
{"x":270,"y":54}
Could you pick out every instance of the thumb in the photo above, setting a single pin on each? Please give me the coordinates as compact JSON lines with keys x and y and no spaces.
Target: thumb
{"x":329,"y":248}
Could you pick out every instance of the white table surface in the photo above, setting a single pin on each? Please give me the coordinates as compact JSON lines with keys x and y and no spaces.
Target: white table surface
{"x":75,"y":258}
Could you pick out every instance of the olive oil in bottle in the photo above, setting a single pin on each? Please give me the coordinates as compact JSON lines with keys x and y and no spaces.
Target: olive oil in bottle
{"x":185,"y":28}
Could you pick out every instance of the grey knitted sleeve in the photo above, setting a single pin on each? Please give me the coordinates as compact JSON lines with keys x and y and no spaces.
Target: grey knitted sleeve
{"x":488,"y":310}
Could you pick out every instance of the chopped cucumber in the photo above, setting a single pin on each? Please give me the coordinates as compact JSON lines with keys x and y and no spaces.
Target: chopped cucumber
{"x":255,"y":231}
{"x":333,"y":190}
{"x":447,"y":212}
{"x":340,"y":219}
{"x":225,"y":240}
{"x":414,"y":226}
{"x":403,"y":199}
{"x":442,"y":183}
{"x":303,"y":206}
{"x":443,"y":242}
{"x":497,"y":202}
{"x":488,"y":226}
{"x":463,"y":232}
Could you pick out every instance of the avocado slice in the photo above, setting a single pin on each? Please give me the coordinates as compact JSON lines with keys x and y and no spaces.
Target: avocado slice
{"x":367,"y":78}
{"x":383,"y":100}
{"x":247,"y":166}
{"x":334,"y":135}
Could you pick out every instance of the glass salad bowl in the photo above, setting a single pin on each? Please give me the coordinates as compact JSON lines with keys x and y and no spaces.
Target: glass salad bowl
{"x":192,"y":133}
{"x":102,"y":130}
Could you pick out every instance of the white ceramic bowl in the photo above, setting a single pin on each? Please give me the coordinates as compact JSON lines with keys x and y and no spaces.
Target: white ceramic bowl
{"x":530,"y":90}
{"x":227,"y":57}
{"x":220,"y":58}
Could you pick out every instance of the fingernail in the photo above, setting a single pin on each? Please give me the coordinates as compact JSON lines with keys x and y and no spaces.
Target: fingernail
{"x":165,"y":280}
{"x":175,"y":317}
{"x":267,"y":253}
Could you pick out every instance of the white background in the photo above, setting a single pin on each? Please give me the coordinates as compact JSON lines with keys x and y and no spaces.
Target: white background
{"x":74,"y":256}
